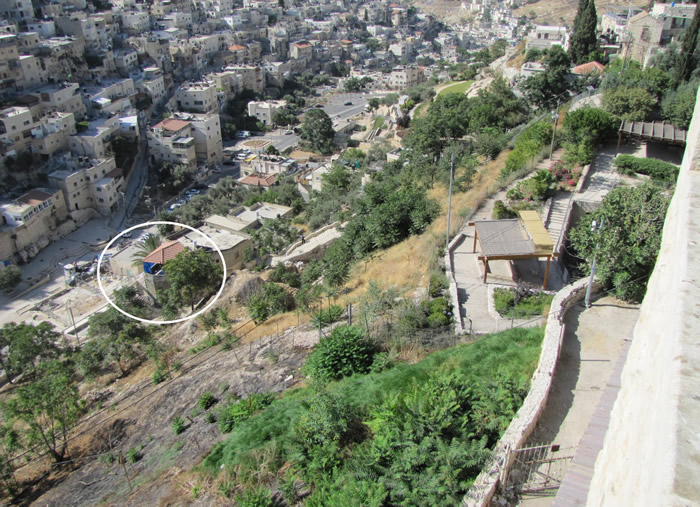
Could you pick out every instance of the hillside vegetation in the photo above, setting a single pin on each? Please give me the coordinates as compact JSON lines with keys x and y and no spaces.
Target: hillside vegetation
{"x":416,"y":434}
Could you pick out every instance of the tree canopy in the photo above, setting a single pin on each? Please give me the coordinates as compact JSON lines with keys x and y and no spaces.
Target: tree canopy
{"x":191,"y":275}
{"x":318,"y":130}
{"x":630,"y":238}
{"x":24,"y":346}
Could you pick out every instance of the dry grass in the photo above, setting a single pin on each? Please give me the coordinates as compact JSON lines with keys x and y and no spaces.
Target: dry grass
{"x":518,"y":58}
{"x":558,"y":12}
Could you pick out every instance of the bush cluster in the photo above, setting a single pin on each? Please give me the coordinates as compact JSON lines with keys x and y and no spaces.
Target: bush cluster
{"x":527,"y":147}
{"x":655,"y":168}
{"x":537,"y":188}
{"x":344,"y":352}
{"x":269,"y":300}
{"x":521,"y":303}
{"x":241,"y":409}
{"x":327,"y":316}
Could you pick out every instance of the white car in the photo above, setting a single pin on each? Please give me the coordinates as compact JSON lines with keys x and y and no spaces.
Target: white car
{"x":175,"y":206}
{"x":241,"y":156}
{"x":192,"y":191}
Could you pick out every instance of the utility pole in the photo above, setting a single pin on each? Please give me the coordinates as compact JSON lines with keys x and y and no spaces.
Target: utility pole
{"x":75,"y":329}
{"x":597,"y":246}
{"x":555,"y":118}
{"x":449,"y":203}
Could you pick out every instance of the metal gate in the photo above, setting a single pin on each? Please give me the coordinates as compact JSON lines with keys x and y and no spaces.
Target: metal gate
{"x":538,"y":469}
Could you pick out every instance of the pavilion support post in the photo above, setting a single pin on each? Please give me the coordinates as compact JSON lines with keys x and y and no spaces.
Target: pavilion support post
{"x":486,"y":268}
{"x":476,"y":235}
{"x":546,"y":273}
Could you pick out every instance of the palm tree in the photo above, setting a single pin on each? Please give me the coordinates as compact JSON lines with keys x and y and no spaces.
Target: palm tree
{"x":149,"y":243}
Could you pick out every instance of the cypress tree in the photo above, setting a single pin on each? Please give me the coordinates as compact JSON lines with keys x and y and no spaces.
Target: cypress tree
{"x":584,"y":39}
{"x":687,"y":60}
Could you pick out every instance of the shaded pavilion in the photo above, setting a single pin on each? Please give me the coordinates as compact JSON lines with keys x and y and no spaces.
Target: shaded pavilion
{"x":514,"y":239}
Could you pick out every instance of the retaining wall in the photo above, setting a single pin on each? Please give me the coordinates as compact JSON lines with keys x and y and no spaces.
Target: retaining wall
{"x":523,"y":424}
{"x":450,"y":272}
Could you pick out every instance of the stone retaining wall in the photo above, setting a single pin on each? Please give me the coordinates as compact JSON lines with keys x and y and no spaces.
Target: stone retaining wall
{"x":450,"y":272}
{"x":523,"y":424}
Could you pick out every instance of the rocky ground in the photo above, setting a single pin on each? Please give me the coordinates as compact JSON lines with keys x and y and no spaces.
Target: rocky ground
{"x":134,"y":413}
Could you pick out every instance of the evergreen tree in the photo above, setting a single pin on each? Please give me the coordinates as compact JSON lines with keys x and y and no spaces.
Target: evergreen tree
{"x":584,"y":39}
{"x":687,"y":59}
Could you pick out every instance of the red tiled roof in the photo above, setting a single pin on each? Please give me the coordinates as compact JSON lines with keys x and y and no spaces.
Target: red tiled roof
{"x":589,"y":68}
{"x":164,"y":252}
{"x":259,"y":181}
{"x":303,"y":45}
{"x":236,"y":47}
{"x":34,"y":197}
{"x":172,"y":124}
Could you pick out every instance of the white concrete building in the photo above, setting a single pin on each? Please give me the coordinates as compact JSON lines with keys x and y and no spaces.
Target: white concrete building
{"x":265,"y":110}
{"x":197,"y":97}
{"x":544,"y":37}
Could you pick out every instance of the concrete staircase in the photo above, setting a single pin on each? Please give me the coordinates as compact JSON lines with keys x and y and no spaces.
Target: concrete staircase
{"x":557,"y":217}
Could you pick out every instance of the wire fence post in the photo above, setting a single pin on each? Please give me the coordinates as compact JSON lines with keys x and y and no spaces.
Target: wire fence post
{"x":122,"y":462}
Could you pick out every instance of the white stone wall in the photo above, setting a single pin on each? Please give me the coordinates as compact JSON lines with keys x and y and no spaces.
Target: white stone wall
{"x":651,"y":449}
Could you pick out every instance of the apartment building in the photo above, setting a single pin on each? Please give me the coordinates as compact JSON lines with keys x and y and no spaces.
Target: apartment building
{"x":16,"y":125}
{"x":265,"y":110}
{"x":29,"y":222}
{"x":17,"y":10}
{"x":197,"y":97}
{"x":126,"y":60}
{"x":52,"y":133}
{"x":94,"y":142}
{"x":171,"y":141}
{"x":63,"y":97}
{"x":153,"y":83}
{"x":89,"y":183}
{"x":231,"y":243}
{"x":9,"y":63}
{"x":545,"y":37}
{"x":405,"y":77}
{"x":300,"y":50}
{"x":34,"y":73}
{"x":135,"y":22}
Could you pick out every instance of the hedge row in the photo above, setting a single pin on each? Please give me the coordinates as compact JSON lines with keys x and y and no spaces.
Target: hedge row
{"x":527,"y":147}
{"x":655,"y":168}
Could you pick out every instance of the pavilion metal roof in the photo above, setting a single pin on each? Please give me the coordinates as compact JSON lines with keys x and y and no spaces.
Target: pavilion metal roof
{"x":656,"y":131}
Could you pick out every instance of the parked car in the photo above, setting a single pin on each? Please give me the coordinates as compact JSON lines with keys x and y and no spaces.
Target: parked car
{"x":174,"y":206}
{"x":243,"y":134}
{"x":348,"y":103}
{"x":216,"y":170}
{"x":288,"y":132}
{"x":241,"y":156}
{"x":192,"y":191}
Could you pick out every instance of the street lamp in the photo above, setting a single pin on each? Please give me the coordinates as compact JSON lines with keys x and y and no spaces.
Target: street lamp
{"x":594,"y":227}
{"x":555,"y":117}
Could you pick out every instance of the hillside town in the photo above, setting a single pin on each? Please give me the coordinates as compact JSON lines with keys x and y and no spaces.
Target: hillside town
{"x":346,"y":252}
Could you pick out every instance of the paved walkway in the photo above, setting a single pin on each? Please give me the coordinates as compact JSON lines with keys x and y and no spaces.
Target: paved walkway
{"x":307,"y":250}
{"x":594,"y":339}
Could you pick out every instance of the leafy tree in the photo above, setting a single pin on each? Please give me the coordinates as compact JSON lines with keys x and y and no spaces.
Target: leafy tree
{"x":191,"y":275}
{"x":497,"y":106}
{"x":10,"y":276}
{"x":10,"y":443}
{"x":677,"y":105}
{"x":688,"y":58}
{"x":373,"y":45}
{"x":318,"y":130}
{"x":344,"y":352}
{"x":273,"y":236}
{"x":49,"y":406}
{"x":271,"y":150}
{"x":630,"y":238}
{"x":589,"y":124}
{"x":145,"y":246}
{"x":374,"y":103}
{"x":352,"y":85}
{"x":116,"y":340}
{"x":546,"y":88}
{"x":24,"y":346}
{"x":654,"y":80}
{"x":633,"y":104}
{"x":584,"y":39}
{"x":269,"y":300}
{"x":285,"y":116}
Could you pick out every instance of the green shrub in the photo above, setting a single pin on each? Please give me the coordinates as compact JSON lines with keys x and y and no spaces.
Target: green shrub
{"x":159,"y":376}
{"x":502,"y":212}
{"x":327,"y":316}
{"x":259,"y":496}
{"x":344,"y":352}
{"x":438,"y":284}
{"x":655,"y":168}
{"x":439,"y":312}
{"x":211,"y":340}
{"x":289,"y":276}
{"x":527,"y":147}
{"x":210,"y":417}
{"x":133,"y":454}
{"x":178,"y":425}
{"x":240,"y":410}
{"x":269,"y":300}
{"x":10,"y":276}
{"x":206,"y":401}
{"x":521,"y":303}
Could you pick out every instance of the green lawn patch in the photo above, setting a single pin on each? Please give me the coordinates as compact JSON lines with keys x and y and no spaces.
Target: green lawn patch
{"x":520,"y":304}
{"x":414,"y":434}
{"x":378,"y":122}
{"x":458,"y":87}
